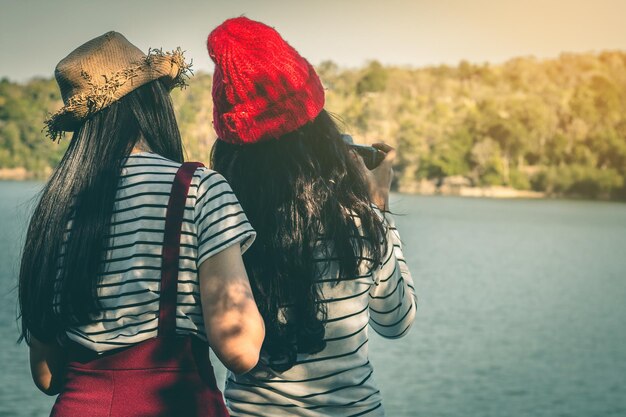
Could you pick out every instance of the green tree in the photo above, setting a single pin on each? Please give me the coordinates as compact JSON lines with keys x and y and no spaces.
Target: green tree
{"x":373,"y":80}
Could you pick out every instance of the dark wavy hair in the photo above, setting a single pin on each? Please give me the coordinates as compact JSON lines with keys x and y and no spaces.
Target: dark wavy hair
{"x":301,"y":193}
{"x":83,"y":188}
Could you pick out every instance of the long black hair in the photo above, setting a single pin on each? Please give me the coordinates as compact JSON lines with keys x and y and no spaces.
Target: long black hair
{"x":302,"y":193}
{"x":58,"y":282}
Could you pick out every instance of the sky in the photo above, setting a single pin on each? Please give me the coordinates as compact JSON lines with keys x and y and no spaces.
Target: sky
{"x":36,"y":34}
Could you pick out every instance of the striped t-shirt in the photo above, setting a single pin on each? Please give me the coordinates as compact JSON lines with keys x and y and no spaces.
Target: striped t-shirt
{"x":338,"y":380}
{"x":129,"y":287}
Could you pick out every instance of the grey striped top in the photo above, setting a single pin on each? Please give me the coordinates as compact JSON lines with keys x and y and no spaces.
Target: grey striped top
{"x":338,"y":380}
{"x":129,"y":287}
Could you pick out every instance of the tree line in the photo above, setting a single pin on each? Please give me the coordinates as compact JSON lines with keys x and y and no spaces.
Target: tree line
{"x":557,"y":126}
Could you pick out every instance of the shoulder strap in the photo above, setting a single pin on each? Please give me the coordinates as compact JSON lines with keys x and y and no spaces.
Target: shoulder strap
{"x":171,"y":248}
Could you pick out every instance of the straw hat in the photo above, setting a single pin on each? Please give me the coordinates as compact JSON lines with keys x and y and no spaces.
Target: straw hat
{"x":102,"y":71}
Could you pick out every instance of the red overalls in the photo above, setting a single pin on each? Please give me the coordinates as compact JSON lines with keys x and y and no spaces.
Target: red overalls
{"x":169,"y":375}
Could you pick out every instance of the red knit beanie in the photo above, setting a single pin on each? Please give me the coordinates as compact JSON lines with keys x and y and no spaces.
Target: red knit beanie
{"x":262,"y":87}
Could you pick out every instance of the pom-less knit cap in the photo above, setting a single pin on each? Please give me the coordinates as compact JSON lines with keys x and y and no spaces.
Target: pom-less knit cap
{"x":104,"y":70}
{"x":262,"y":87}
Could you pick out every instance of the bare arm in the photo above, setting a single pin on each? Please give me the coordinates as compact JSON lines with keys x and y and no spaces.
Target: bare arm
{"x":47,"y":363}
{"x":234,"y":326}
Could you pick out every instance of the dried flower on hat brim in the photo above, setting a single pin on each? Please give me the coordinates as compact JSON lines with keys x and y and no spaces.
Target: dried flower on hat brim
{"x":81,"y":106}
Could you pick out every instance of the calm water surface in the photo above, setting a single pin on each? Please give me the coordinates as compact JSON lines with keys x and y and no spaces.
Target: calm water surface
{"x":522,"y":310}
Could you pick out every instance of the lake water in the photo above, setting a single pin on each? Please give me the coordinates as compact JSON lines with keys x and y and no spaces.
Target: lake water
{"x":522,"y":310}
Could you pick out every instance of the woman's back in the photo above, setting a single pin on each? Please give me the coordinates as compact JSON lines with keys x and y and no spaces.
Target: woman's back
{"x":338,"y":381}
{"x":129,"y":288}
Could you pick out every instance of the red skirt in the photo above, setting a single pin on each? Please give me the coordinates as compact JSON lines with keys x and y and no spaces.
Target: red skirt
{"x":164,"y":376}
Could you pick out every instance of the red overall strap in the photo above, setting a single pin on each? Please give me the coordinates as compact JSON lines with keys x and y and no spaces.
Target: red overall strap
{"x":171,"y":248}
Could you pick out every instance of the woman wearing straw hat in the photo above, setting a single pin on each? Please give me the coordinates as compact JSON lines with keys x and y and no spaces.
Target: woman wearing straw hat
{"x":133,"y":259}
{"x":326,"y":263}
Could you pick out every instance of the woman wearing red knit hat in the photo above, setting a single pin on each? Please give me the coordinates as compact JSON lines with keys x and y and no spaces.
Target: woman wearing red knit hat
{"x":327,"y":263}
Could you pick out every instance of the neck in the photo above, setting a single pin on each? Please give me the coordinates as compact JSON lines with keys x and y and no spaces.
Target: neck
{"x":140,"y":146}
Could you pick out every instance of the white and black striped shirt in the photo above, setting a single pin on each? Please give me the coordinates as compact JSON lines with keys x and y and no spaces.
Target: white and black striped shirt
{"x":129,"y":287}
{"x":338,"y":380}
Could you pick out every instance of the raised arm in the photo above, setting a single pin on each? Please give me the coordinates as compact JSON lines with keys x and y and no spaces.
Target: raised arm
{"x":392,"y":298}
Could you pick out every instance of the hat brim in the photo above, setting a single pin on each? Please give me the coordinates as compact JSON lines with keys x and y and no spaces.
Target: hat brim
{"x":168,"y":66}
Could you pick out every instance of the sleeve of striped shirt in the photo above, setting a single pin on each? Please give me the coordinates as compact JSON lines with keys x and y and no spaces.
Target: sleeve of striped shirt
{"x":219,"y":219}
{"x":392,"y":301}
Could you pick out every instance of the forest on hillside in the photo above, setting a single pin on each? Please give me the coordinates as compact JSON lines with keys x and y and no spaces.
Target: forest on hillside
{"x":557,"y":126}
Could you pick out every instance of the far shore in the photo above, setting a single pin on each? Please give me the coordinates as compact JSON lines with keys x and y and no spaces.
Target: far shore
{"x":461,"y":187}
{"x":16,"y":174}
{"x":423,"y":187}
{"x":452,"y":187}
{"x":489,"y":192}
